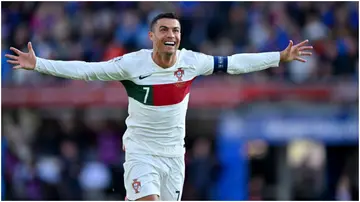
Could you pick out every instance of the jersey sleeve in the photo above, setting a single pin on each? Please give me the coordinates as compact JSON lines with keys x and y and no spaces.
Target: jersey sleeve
{"x":251,"y":62}
{"x":236,"y":64}
{"x":79,"y":70}
{"x":208,"y":64}
{"x":204,"y":63}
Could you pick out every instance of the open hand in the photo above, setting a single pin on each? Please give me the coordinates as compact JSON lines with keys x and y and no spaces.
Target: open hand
{"x":22,"y":60}
{"x":294,"y":52}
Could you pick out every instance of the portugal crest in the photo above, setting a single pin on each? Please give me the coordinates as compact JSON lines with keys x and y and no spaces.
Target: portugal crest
{"x":136,"y":186}
{"x":179,"y":74}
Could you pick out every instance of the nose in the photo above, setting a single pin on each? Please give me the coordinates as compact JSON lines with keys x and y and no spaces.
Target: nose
{"x":171,"y":34}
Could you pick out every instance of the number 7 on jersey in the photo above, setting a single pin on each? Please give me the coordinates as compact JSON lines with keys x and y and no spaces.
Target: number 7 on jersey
{"x":147,"y":89}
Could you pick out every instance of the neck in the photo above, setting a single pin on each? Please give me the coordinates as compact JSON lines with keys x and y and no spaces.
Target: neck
{"x":164,"y":60}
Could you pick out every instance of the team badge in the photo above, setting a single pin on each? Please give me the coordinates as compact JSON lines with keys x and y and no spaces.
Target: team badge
{"x":179,"y":74}
{"x":136,"y":186}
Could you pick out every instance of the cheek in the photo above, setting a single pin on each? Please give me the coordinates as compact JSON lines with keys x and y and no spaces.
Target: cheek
{"x":158,"y":39}
{"x":159,"y":44}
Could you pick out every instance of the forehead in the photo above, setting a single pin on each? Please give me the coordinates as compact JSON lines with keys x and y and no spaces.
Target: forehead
{"x":171,"y":23}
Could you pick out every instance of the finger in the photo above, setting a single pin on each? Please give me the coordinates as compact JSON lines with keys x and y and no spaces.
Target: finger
{"x":302,"y":43}
{"x":300,"y":59}
{"x":291,"y":43}
{"x":12,"y":56}
{"x":30,"y":47}
{"x":306,"y":53}
{"x":14,"y":62}
{"x":16,"y":50}
{"x":17,"y":67}
{"x":305,"y":48}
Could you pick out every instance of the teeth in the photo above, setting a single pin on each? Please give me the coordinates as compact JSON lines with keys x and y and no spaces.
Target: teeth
{"x":170,"y":43}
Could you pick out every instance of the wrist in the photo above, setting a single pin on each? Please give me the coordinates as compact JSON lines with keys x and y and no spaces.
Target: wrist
{"x":282,"y":56}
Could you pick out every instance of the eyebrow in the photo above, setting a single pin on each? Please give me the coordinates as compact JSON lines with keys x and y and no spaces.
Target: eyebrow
{"x":162,"y":26}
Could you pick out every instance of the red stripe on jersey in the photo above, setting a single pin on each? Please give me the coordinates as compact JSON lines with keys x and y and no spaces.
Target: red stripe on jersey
{"x":169,"y":94}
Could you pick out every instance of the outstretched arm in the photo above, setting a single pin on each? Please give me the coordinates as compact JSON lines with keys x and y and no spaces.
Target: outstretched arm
{"x":251,"y":62}
{"x":79,"y":70}
{"x":244,"y":63}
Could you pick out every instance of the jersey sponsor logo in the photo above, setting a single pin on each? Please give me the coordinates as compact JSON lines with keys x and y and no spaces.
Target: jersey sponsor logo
{"x":136,"y":185}
{"x":141,"y":77}
{"x":179,"y":74}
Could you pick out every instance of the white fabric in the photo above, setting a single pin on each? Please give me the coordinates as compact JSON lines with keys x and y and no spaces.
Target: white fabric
{"x":154,"y":175}
{"x":156,"y":130}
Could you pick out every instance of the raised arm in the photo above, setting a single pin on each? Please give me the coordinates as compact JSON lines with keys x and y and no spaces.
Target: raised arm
{"x":250,"y":62}
{"x":78,"y":70}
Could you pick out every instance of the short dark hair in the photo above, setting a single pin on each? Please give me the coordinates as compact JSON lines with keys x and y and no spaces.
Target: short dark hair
{"x":161,"y":16}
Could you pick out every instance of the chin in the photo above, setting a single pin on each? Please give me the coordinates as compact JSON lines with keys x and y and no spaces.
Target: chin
{"x":170,"y":52}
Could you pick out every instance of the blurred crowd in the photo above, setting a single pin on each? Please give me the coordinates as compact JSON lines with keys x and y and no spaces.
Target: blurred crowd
{"x":97,"y":31}
{"x":59,"y":157}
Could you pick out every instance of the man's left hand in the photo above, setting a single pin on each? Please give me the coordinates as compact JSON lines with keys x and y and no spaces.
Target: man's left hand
{"x":295,"y":52}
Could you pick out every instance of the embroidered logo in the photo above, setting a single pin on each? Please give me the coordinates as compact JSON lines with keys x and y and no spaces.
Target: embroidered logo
{"x":136,"y":186}
{"x":179,"y":74}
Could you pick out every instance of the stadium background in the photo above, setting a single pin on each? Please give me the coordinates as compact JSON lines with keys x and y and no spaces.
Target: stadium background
{"x":281,"y":134}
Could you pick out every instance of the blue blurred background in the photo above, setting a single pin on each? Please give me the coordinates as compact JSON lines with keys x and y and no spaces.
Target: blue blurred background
{"x":287,"y":133}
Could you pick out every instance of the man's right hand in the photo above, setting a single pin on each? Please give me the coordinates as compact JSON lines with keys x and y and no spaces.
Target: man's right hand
{"x":22,"y":60}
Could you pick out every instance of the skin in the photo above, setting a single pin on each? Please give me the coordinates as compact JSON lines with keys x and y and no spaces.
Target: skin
{"x":164,"y":56}
{"x":165,"y":30}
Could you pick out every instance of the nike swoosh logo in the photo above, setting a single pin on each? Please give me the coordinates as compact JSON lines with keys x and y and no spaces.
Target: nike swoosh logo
{"x":143,"y":77}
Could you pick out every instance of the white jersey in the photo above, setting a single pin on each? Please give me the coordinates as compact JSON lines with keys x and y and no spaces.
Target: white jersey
{"x":158,"y":97}
{"x":158,"y":101}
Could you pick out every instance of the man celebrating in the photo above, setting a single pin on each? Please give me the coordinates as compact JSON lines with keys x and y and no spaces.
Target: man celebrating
{"x":157,"y":82}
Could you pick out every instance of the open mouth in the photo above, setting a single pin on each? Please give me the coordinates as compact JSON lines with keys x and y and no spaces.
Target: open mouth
{"x":169,"y":43}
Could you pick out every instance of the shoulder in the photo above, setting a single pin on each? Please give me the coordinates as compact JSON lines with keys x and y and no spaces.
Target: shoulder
{"x":188,"y":54}
{"x":192,"y":55}
{"x":133,"y":57}
{"x":133,"y":62}
{"x":196,"y":58}
{"x":202,"y":63}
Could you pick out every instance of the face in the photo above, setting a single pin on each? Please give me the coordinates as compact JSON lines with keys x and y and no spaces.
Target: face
{"x":166,"y":36}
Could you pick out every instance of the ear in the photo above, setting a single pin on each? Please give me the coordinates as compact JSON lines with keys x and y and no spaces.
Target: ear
{"x":151,"y":35}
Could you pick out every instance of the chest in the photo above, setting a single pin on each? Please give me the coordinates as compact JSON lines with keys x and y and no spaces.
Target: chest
{"x":159,"y":87}
{"x":157,"y":76}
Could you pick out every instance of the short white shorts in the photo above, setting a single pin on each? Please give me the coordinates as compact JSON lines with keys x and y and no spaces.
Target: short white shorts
{"x":153,"y":175}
